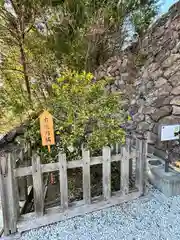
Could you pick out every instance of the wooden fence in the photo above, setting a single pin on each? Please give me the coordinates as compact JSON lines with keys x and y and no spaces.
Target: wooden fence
{"x":9,"y":175}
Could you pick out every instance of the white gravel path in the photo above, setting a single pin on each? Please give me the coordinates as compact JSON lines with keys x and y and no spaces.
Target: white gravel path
{"x":153,"y":217}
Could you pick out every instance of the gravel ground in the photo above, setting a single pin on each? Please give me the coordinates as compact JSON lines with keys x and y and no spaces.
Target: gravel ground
{"x":153,"y":217}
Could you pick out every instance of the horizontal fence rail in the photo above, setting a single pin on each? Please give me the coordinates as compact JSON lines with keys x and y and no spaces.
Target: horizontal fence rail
{"x":9,"y":175}
{"x":50,"y":167}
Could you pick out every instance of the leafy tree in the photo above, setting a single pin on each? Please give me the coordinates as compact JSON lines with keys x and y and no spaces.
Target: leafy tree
{"x":92,"y":31}
{"x":27,"y":66}
{"x":18,"y":20}
{"x":84,"y":113}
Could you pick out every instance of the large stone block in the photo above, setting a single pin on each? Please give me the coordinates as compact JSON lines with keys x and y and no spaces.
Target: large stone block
{"x":175,"y":101}
{"x":175,"y":79}
{"x":152,"y":137}
{"x":150,"y":85}
{"x":162,"y":112}
{"x":159,"y":32}
{"x":124,"y":76}
{"x":162,"y":101}
{"x":176,"y":110}
{"x":160,"y":82}
{"x":176,"y":90}
{"x":153,"y":67}
{"x":144,"y":126}
{"x":148,"y":110}
{"x":164,"y":90}
{"x":151,"y":99}
{"x":168,"y":42}
{"x":148,"y":119}
{"x":172,"y":70}
{"x":177,"y":48}
{"x":138,"y":117}
{"x":162,"y":55}
{"x":167,"y":182}
{"x":175,"y":24}
{"x":170,"y":120}
{"x":170,"y":60}
{"x":155,"y":75}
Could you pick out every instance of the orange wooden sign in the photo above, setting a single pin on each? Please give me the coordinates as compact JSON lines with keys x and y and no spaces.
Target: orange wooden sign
{"x":47,"y":129}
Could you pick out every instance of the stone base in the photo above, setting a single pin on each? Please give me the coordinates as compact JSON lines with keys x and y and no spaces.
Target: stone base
{"x":167,"y":182}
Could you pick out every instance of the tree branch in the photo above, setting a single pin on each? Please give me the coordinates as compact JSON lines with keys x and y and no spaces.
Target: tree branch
{"x":11,"y":69}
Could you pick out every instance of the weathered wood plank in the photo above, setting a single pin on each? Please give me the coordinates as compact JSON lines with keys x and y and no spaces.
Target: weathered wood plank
{"x":144,"y":164}
{"x":86,"y":176}
{"x":138,"y":146}
{"x":140,"y":164}
{"x":75,"y":164}
{"x":130,"y":169}
{"x":125,"y":168}
{"x":25,"y":171}
{"x":117,"y":148}
{"x":4,"y":193}
{"x":22,"y":181}
{"x":63,"y":180}
{"x":28,"y":159}
{"x":141,"y":167}
{"x":106,"y":173}
{"x":12,"y":197}
{"x":99,"y":159}
{"x":131,"y":155}
{"x":8,"y":194}
{"x":56,"y":214}
{"x":116,"y":158}
{"x":51,"y":167}
{"x":16,"y":190}
{"x":37,"y":186}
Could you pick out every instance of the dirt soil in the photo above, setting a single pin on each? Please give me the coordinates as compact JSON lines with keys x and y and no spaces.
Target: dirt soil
{"x":75,"y":184}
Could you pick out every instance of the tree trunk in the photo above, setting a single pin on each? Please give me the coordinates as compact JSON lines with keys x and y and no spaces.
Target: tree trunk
{"x":24,"y":64}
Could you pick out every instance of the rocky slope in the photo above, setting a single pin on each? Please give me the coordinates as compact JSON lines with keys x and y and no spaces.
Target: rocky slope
{"x":148,"y":74}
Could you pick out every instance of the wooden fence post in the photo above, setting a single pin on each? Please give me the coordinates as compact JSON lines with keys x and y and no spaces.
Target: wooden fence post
{"x":141,"y":150}
{"x":28,"y":161}
{"x":86,"y":176}
{"x":138,"y":163}
{"x":131,"y":169}
{"x":129,"y":143}
{"x":117,"y":148}
{"x":106,"y":172}
{"x":22,"y":181}
{"x":37,"y":185}
{"x":144,"y":157}
{"x":125,"y":167}
{"x":8,"y":194}
{"x":28,"y":157}
{"x":63,"y":180}
{"x":14,"y":157}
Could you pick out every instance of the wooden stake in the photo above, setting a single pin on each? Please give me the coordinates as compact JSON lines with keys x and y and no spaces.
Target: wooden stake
{"x":49,"y":148}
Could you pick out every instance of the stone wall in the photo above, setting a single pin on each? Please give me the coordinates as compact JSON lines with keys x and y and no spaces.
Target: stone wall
{"x":149,"y":76}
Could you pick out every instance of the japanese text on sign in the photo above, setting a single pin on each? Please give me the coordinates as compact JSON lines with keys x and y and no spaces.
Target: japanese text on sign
{"x":47,"y":129}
